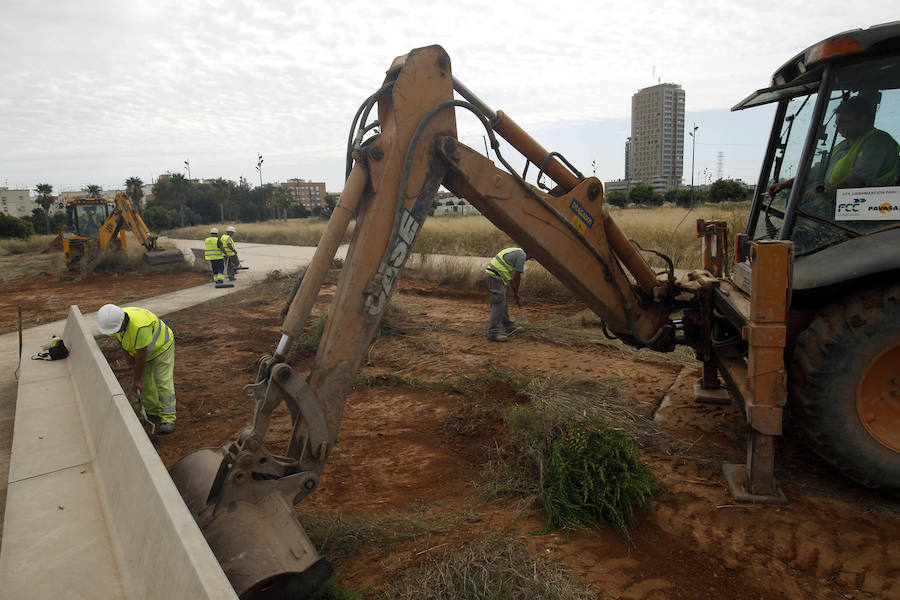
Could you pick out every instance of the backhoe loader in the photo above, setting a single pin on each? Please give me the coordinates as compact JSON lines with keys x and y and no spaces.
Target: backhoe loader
{"x":809,"y":309}
{"x":97,"y":223}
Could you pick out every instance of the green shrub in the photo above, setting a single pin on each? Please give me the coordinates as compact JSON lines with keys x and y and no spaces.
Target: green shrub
{"x":14,"y":227}
{"x":595,"y":474}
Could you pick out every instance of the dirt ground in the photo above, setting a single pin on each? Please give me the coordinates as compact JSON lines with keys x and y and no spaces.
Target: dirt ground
{"x":405,"y":450}
{"x":46,"y":296}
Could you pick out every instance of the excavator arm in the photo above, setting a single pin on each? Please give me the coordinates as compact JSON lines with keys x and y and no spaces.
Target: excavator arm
{"x":124,"y":216}
{"x":241,"y":493}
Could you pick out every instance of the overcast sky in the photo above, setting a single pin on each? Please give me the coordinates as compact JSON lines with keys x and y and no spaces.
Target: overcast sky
{"x":96,"y":91}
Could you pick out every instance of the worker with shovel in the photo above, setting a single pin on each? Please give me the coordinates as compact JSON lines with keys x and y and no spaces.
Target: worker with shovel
{"x":151,"y":345}
{"x":504,"y":270}
{"x":232,"y":263}
{"x":214,"y":252}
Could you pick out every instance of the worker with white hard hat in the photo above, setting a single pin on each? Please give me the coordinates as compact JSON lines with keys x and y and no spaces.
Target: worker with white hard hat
{"x":231,"y":258}
{"x":150,"y":344}
{"x":215,"y":254}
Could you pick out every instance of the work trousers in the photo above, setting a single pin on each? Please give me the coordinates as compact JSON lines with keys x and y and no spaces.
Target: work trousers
{"x":232,"y":263}
{"x":499,"y":305}
{"x":218,"y":269}
{"x":158,"y":380}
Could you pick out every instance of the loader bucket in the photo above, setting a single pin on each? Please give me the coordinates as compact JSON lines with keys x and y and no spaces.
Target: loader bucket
{"x":161,"y":257}
{"x":261,"y":545}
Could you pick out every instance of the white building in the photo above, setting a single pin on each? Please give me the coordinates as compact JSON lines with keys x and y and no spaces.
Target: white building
{"x":447,"y":204}
{"x":16,"y":203}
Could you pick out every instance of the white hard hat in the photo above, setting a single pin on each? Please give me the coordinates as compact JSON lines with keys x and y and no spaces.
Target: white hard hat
{"x":229,"y":229}
{"x":214,"y":230}
{"x":110,"y":318}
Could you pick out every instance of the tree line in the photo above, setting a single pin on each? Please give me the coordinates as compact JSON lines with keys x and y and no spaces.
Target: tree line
{"x":180,"y":202}
{"x":721,"y":190}
{"x":176,"y":202}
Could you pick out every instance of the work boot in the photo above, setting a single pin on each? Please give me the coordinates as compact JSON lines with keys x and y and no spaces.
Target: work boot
{"x":498,"y":337}
{"x":165,"y":428}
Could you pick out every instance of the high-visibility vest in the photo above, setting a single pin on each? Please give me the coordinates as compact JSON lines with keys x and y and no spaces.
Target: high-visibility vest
{"x":846,"y":163}
{"x":144,"y":330}
{"x":226,"y":242}
{"x":501,"y":268}
{"x":213,"y":252}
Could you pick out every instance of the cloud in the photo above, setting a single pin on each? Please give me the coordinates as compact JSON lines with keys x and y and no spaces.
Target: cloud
{"x":101,"y":90}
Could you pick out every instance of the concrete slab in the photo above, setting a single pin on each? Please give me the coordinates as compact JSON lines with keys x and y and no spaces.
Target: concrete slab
{"x":72,"y":557}
{"x":48,"y":435}
{"x":44,"y":369}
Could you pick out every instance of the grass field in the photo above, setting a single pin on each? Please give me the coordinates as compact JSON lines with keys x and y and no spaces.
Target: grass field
{"x":668,"y":229}
{"x":445,"y":239}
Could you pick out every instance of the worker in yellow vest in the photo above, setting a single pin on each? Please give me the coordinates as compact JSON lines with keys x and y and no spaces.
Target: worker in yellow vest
{"x":505,"y":270}
{"x":866,"y":157}
{"x":151,"y":346}
{"x":215,"y":254}
{"x":231,"y":258}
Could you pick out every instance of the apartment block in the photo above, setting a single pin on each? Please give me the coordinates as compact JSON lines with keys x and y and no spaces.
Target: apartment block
{"x":655,"y":154}
{"x":16,"y":203}
{"x":307,"y":193}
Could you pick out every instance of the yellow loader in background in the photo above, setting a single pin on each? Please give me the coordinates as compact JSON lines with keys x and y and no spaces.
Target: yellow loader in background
{"x":95,"y":224}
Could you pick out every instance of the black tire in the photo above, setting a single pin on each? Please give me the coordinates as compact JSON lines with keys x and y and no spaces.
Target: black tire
{"x":828,"y":363}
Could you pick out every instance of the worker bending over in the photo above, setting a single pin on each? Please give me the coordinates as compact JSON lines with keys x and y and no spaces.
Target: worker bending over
{"x":231,"y":258}
{"x":215,"y":254}
{"x":504,"y":270}
{"x":151,"y":345}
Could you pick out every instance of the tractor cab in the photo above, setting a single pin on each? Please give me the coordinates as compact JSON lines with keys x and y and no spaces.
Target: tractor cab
{"x":85,"y":216}
{"x":830,"y":180}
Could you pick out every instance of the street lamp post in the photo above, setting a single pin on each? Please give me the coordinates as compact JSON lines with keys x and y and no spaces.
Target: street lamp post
{"x":693,"y":135}
{"x":259,"y":162}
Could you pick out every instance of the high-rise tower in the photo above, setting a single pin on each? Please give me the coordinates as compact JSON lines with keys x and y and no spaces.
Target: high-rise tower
{"x":657,"y":136}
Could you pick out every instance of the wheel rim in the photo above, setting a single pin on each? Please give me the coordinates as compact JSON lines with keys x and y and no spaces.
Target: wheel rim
{"x":878,"y":398}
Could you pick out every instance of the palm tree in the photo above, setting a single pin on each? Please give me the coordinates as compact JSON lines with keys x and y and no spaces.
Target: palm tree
{"x":180,"y":189}
{"x":134,"y":187}
{"x":93,"y":191}
{"x":44,"y":193}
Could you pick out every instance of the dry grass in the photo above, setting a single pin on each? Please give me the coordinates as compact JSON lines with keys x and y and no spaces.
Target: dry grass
{"x":669,"y":229}
{"x":672,"y":230}
{"x":461,"y":236}
{"x":584,"y":329}
{"x":293,"y":232}
{"x":36,"y":243}
{"x":490,"y":568}
{"x":338,"y":534}
{"x":20,"y":259}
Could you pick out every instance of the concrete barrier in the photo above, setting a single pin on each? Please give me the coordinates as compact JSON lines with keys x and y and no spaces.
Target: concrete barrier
{"x":160,"y":550}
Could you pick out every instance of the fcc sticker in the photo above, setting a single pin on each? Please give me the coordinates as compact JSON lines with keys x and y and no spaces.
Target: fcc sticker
{"x":584,"y":218}
{"x":867,"y":204}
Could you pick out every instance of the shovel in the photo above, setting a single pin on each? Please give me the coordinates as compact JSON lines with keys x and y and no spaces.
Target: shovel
{"x":142,"y":416}
{"x":521,"y":317}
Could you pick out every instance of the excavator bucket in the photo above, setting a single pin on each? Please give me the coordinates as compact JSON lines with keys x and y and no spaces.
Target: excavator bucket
{"x":257,"y":539}
{"x":161,"y":257}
